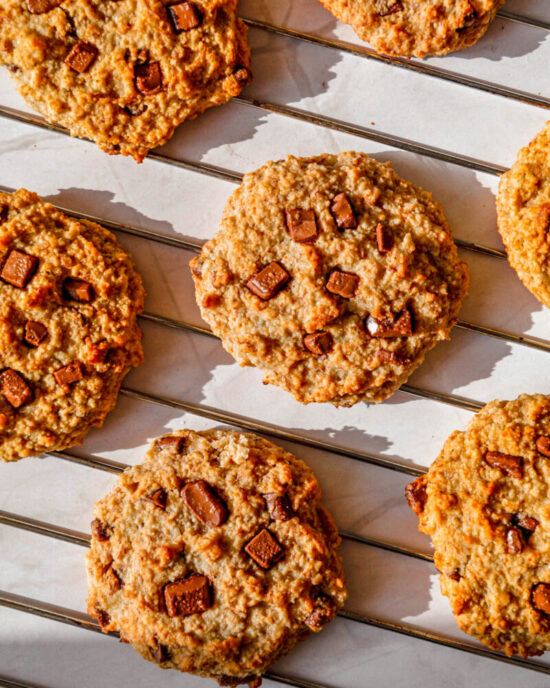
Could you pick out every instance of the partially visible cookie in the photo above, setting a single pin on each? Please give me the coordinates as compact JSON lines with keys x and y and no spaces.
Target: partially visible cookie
{"x":124,"y":73}
{"x":214,"y":556}
{"x":412,"y":28}
{"x":523,"y":205}
{"x":332,"y":275}
{"x":484,"y":503}
{"x":69,"y":299}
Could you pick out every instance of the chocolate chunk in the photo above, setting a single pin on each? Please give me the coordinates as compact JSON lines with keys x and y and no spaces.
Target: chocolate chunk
{"x":78,"y":290}
{"x":399,"y":325}
{"x":4,"y":212}
{"x":454,"y":575}
{"x":322,"y":613}
{"x":158,"y":498}
{"x":160,"y":652}
{"x":184,"y":16}
{"x":171,"y":442}
{"x":188,"y":596}
{"x":148,"y":78}
{"x":342,"y":212}
{"x":415,"y":494}
{"x":540,"y":597}
{"x":205,"y":503}
{"x":393,"y":357}
{"x":264,"y":549}
{"x":319,"y":342}
{"x":278,"y":506}
{"x":35,"y":333}
{"x":514,"y":541}
{"x":242,"y":75}
{"x":99,"y":530}
{"x":528,"y":524}
{"x":253,"y":681}
{"x":42,"y":6}
{"x":103,"y":618}
{"x":69,"y":374}
{"x":301,"y":225}
{"x":384,"y":238}
{"x":342,"y":283}
{"x":511,"y":465}
{"x":18,"y":268}
{"x":386,"y":7}
{"x":543,"y":445}
{"x":15,"y":389}
{"x":81,"y":57}
{"x":269,"y":281}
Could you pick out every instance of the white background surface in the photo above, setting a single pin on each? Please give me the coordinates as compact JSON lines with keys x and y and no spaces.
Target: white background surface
{"x":364,"y":499}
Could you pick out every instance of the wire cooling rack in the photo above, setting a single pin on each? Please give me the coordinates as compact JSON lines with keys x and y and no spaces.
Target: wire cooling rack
{"x":43,"y":528}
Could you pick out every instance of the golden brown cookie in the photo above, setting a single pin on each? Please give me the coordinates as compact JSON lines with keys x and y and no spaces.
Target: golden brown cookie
{"x":523,"y":205}
{"x":124,"y":73}
{"x":69,"y":299}
{"x":214,"y":556}
{"x":484,"y":503}
{"x":412,"y":28}
{"x":332,"y":275}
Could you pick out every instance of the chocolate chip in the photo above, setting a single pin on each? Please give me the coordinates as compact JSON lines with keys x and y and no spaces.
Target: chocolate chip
{"x":269,"y":281}
{"x":322,"y":613}
{"x":386,"y":7}
{"x":188,"y":596}
{"x":69,"y":374}
{"x":35,"y":333}
{"x":543,"y":445}
{"x":81,"y":57}
{"x":301,"y":225}
{"x":400,"y":325}
{"x":514,"y":541}
{"x":384,"y":238}
{"x":278,"y":506}
{"x":528,"y":524}
{"x":319,"y":342}
{"x":4,"y":212}
{"x":242,"y":75}
{"x":342,"y":212}
{"x":205,"y":503}
{"x":393,"y":357}
{"x":540,"y":597}
{"x":78,"y":290}
{"x":264,"y":549}
{"x":15,"y":389}
{"x":19,"y":268}
{"x":342,"y":283}
{"x":148,"y":78}
{"x":415,"y":494}
{"x":160,"y":652}
{"x":158,"y":498}
{"x":99,"y":530}
{"x":454,"y":575}
{"x":511,"y":465}
{"x":184,"y":16}
{"x":253,"y":681}
{"x":175,"y":442}
{"x":42,"y":6}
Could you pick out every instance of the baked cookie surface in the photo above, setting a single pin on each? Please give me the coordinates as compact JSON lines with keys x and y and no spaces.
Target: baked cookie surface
{"x":332,"y":275}
{"x":69,"y":298}
{"x":412,"y":28}
{"x":124,"y":73}
{"x":214,"y":556}
{"x":523,"y":206}
{"x":484,"y":503}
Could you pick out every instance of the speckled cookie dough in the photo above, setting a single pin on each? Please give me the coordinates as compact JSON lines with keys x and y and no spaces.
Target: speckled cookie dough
{"x":412,"y":28}
{"x":523,"y":205}
{"x":484,"y":503}
{"x":69,"y":298}
{"x":332,"y":275}
{"x":124,"y":73}
{"x":215,"y":556}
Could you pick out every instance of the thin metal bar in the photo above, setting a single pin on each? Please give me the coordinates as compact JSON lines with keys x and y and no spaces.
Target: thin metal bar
{"x":95,"y":462}
{"x":538,"y":344}
{"x":411,"y":65}
{"x":480,"y":248}
{"x":520,"y":19}
{"x":10,"y":683}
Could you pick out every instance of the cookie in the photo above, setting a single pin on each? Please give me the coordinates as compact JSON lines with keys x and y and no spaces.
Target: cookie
{"x":124,"y":74}
{"x":484,"y":503}
{"x":523,"y":207}
{"x":412,"y":28}
{"x":69,"y":298}
{"x":214,"y":556}
{"x":332,"y":275}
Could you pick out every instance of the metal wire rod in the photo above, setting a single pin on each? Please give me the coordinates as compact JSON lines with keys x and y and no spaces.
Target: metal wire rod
{"x":417,"y":66}
{"x":521,"y":19}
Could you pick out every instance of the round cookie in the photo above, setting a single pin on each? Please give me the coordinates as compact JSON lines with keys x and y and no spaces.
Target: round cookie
{"x":484,"y":503}
{"x":214,"y":556}
{"x":412,"y":28}
{"x":523,"y":206}
{"x":332,"y":275}
{"x":69,"y":298}
{"x":124,"y":74}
